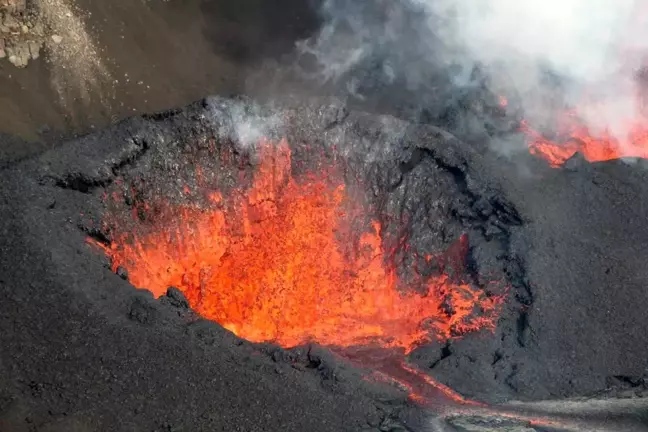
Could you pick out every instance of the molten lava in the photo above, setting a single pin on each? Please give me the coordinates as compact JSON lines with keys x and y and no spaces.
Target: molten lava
{"x":576,"y":138}
{"x":278,"y":263}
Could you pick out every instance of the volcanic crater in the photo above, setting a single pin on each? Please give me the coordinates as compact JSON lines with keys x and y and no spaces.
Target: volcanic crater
{"x":370,"y":271}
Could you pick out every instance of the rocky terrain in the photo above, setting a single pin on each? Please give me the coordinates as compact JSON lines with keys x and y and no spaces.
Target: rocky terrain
{"x":22,"y":32}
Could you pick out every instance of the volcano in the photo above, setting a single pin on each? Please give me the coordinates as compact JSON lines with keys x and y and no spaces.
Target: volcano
{"x":299,"y":266}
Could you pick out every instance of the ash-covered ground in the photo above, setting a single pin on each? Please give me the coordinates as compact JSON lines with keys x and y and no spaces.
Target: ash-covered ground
{"x":84,"y":350}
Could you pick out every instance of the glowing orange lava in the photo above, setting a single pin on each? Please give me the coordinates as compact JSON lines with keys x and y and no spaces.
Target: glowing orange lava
{"x":279,"y":264}
{"x":594,"y":148}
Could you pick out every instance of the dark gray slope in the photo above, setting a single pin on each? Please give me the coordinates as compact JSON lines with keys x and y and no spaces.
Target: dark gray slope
{"x":581,"y":252}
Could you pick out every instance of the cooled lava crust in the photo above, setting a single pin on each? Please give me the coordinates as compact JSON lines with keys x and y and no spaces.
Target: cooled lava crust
{"x":83,"y":349}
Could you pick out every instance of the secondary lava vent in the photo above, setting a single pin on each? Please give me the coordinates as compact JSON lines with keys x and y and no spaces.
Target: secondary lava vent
{"x":288,"y":256}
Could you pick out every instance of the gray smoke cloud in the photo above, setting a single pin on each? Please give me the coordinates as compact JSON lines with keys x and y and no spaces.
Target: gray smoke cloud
{"x":594,"y":47}
{"x":380,"y":35}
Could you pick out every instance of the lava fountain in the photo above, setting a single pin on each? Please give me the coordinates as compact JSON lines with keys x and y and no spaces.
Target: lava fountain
{"x":279,"y":262}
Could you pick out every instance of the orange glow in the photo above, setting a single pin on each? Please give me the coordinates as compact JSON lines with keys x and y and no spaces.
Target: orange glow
{"x":278,"y":262}
{"x":625,"y":112}
{"x":594,"y":148}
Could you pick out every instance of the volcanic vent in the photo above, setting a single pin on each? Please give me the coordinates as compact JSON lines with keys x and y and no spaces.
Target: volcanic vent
{"x":280,"y":262}
{"x":288,"y":260}
{"x":293,"y":238}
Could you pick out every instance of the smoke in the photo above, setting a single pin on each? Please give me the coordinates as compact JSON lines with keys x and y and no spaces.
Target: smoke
{"x":242,"y":121}
{"x":571,"y":36}
{"x":364,"y":45}
{"x":544,"y":55}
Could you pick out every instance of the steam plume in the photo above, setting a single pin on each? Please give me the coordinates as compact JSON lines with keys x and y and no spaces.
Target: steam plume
{"x":241,"y":121}
{"x":594,"y":45}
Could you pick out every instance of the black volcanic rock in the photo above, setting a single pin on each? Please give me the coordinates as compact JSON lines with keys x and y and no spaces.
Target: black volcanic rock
{"x":81,"y":348}
{"x":176,"y":298}
{"x":578,"y":253}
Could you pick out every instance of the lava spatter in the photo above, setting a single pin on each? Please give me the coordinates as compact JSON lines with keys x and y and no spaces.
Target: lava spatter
{"x":280,"y":264}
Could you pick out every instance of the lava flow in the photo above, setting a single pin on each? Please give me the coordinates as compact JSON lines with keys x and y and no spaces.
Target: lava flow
{"x":278,"y":264}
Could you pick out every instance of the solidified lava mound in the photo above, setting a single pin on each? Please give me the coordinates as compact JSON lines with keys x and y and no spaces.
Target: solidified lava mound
{"x":302,"y":225}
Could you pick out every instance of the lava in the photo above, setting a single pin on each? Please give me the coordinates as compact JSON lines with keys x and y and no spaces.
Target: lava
{"x":572,"y":135}
{"x":575,"y":137}
{"x":389,"y":366}
{"x":279,"y":264}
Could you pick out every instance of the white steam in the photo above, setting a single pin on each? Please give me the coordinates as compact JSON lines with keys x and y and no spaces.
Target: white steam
{"x":597,"y":45}
{"x":242,"y":122}
{"x":575,"y":37}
